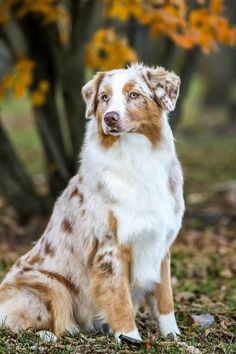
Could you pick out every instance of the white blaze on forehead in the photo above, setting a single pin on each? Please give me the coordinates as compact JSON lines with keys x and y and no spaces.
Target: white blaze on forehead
{"x":117,"y":82}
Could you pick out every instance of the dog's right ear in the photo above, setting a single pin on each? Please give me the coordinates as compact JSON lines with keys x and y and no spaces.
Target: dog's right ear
{"x":89,"y":93}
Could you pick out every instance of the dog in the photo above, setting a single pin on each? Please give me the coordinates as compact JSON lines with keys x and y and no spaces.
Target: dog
{"x":105,"y":250}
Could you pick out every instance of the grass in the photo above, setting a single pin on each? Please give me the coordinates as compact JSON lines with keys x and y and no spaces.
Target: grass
{"x":206,"y":159}
{"x":18,"y":120}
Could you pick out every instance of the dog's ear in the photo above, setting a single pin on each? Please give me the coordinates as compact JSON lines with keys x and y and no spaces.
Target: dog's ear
{"x":89,"y":93}
{"x":165,"y":86}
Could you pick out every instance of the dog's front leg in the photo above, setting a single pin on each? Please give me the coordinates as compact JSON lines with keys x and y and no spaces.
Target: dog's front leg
{"x":161,"y":301}
{"x":111,"y":293}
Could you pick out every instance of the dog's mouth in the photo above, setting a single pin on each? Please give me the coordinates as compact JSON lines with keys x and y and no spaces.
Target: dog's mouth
{"x":113,"y":131}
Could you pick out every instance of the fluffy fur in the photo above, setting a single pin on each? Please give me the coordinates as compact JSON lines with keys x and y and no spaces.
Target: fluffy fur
{"x":105,"y":250}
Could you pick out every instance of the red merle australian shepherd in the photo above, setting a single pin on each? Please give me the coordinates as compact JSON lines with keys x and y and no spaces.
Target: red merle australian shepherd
{"x":105,"y":250}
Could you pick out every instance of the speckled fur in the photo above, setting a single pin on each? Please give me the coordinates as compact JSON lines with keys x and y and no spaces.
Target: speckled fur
{"x":110,"y":231}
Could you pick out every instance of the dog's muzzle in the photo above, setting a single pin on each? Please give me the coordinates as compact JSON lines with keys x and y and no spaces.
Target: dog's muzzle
{"x":112,"y":121}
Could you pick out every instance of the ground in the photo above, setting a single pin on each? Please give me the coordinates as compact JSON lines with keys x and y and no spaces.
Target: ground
{"x":203,"y":257}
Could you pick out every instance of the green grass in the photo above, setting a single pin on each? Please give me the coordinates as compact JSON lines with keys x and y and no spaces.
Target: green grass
{"x":206,"y":159}
{"x":18,"y":119}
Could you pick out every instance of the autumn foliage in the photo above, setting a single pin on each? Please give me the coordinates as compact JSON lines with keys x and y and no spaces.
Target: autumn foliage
{"x":203,"y":24}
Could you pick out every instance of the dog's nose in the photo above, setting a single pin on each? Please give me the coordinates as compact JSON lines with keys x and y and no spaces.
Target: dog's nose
{"x":111,"y":119}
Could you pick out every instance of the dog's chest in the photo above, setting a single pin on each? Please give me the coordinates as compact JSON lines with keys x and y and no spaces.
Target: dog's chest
{"x":146,"y":217}
{"x":145,"y":204}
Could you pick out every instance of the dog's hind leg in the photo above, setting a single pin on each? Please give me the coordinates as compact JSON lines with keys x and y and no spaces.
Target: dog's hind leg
{"x":20,"y":309}
{"x":26,"y":303}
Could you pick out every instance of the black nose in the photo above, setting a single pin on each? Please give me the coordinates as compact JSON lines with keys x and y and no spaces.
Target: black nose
{"x":111,"y":119}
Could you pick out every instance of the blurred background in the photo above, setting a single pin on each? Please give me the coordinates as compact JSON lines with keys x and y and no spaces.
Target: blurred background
{"x":50,"y":48}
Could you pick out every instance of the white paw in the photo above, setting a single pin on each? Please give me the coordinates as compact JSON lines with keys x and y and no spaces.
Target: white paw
{"x":168,"y":325}
{"x":132,"y":336}
{"x":47,"y":336}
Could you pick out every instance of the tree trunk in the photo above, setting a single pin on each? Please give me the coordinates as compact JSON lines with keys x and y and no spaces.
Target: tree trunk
{"x":72,"y":66}
{"x":47,"y":116}
{"x":186,"y":71}
{"x":15,"y":183}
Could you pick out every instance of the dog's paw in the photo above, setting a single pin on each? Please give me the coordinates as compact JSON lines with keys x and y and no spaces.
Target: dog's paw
{"x":168,"y":325}
{"x":47,"y":336}
{"x":132,"y":336}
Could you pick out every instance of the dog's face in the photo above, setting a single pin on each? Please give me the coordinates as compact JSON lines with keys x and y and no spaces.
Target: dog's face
{"x":131,"y":100}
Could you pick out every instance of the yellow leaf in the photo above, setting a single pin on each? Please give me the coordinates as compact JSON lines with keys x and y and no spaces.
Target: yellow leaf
{"x":44,"y":86}
{"x":216,"y":6}
{"x":108,"y":51}
{"x":37,"y":98}
{"x":18,"y":79}
{"x":123,"y":9}
{"x":183,"y":40}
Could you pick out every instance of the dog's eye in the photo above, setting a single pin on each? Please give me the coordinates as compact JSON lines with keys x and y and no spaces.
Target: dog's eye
{"x":105,"y":98}
{"x":133,"y":94}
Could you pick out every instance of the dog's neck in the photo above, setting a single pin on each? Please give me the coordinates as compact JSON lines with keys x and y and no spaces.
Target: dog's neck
{"x":131,"y":155}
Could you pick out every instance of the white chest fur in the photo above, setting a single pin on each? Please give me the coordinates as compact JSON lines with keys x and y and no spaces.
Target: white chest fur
{"x":136,"y":175}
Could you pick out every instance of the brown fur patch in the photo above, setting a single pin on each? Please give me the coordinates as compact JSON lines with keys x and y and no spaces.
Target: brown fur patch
{"x":26,"y":269}
{"x":36,"y":259}
{"x":106,"y":267}
{"x":74,"y":193}
{"x":128,"y":87}
{"x":93,"y":252}
{"x":81,"y":196}
{"x":66,"y":226}
{"x":104,"y":264}
{"x":111,"y":298}
{"x":112,"y":222}
{"x":163,"y":291}
{"x":48,"y":250}
{"x":147,"y":115}
{"x":61,"y":279}
{"x":126,"y":254}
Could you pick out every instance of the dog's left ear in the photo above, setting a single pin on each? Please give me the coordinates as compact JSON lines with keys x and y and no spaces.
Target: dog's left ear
{"x":165,"y":86}
{"x":89,"y":93}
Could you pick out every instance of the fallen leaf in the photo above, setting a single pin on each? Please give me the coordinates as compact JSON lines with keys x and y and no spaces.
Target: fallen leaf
{"x":189,"y":348}
{"x":226,"y":273}
{"x":204,"y":320}
{"x":185,"y":295}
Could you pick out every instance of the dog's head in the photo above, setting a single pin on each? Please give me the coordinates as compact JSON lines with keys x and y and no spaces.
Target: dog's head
{"x":131,"y":100}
